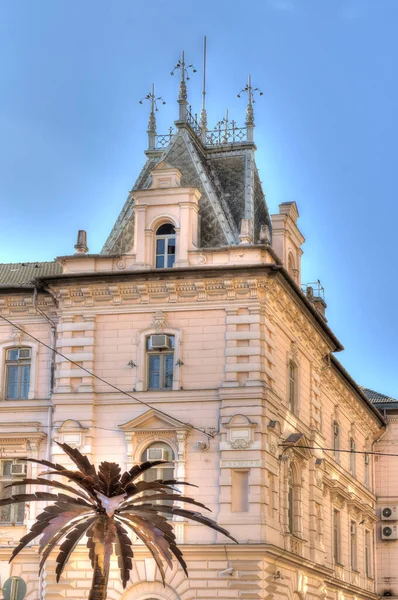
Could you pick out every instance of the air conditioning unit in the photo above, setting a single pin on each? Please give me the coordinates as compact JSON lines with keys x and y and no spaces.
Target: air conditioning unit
{"x":160,"y":342}
{"x":389,"y":513}
{"x":157,"y":454}
{"x":389,"y":532}
{"x":18,"y":469}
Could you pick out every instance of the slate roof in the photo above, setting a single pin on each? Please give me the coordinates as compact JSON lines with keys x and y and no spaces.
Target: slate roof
{"x":377,"y":398}
{"x":228,"y":180}
{"x":21,"y":274}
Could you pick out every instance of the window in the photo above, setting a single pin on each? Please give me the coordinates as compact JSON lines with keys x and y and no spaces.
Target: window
{"x":368,"y":554}
{"x":336,"y":441}
{"x":353,"y":540}
{"x":336,"y":536}
{"x":17,"y":373}
{"x":366,"y":459}
{"x":10,"y":472}
{"x":160,"y":357}
{"x":291,"y":502}
{"x":165,"y":246}
{"x":159,"y":451}
{"x":292,"y":386}
{"x":353,"y":457}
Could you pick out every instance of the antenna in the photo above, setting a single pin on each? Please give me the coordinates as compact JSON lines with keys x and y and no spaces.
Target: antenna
{"x":203,"y":113}
{"x":204,"y":75}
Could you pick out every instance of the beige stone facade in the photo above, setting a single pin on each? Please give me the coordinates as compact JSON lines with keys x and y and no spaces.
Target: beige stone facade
{"x":251,"y":406}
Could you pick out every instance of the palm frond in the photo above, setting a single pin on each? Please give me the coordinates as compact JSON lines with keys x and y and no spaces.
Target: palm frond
{"x":81,"y":461}
{"x":124,"y":553}
{"x":138,"y":470}
{"x":49,"y":483}
{"x":70,"y":544}
{"x":155,"y":497}
{"x":43,"y":496}
{"x":109,"y":476}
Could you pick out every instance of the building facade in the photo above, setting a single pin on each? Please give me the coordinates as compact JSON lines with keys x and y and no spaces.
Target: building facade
{"x":198,"y":345}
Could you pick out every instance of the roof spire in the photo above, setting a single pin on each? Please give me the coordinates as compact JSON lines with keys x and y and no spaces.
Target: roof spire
{"x":249,"y":90}
{"x":182,"y":96}
{"x":151,"y":131}
{"x":203,"y":112}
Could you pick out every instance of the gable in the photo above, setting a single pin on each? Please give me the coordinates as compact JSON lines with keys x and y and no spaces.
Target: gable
{"x":152,"y":420}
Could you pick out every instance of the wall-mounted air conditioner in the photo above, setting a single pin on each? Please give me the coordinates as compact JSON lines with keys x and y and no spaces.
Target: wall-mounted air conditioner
{"x":389,"y":532}
{"x":18,"y":469}
{"x":160,"y":342}
{"x":389,"y":513}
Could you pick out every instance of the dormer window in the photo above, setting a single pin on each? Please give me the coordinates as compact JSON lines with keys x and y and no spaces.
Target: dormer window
{"x":165,"y":246}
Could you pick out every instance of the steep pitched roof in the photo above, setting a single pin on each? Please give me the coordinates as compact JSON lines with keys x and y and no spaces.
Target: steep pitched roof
{"x":22,"y":274}
{"x":227,"y":179}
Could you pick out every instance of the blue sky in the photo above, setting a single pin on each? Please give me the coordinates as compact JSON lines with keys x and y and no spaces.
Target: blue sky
{"x":72,"y":132}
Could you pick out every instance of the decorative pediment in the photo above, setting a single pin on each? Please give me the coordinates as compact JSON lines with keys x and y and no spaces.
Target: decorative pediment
{"x":20,"y":438}
{"x":154,"y":421}
{"x":299,"y":444}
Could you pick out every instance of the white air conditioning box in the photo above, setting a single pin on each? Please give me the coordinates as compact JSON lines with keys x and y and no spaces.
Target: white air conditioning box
{"x":389,"y":513}
{"x":160,"y":342}
{"x":157,"y":454}
{"x":389,"y":532}
{"x":18,"y":469}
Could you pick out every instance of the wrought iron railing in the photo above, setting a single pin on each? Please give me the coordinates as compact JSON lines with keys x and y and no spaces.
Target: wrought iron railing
{"x":226,"y":134}
{"x":192,"y":120}
{"x":162,"y":141}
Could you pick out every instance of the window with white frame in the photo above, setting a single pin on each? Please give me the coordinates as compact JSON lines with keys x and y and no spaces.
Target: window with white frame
{"x":160,"y":362}
{"x":353,"y":457}
{"x":165,"y":246}
{"x":159,"y":451}
{"x":17,"y":371}
{"x":12,"y":471}
{"x":292,"y":374}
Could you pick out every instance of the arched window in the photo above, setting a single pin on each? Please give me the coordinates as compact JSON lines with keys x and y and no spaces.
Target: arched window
{"x":159,"y":451}
{"x":18,"y":373}
{"x":165,"y":246}
{"x":292,"y":386}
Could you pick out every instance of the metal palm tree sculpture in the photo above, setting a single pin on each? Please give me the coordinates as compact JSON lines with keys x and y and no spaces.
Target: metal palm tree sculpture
{"x":103,"y":506}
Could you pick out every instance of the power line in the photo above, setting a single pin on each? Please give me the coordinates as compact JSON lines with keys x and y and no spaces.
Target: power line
{"x":102,"y":379}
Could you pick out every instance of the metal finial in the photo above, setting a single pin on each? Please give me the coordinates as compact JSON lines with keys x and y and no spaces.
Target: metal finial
{"x":203,"y":112}
{"x":250,"y":91}
{"x":182,"y":96}
{"x":152,"y":118}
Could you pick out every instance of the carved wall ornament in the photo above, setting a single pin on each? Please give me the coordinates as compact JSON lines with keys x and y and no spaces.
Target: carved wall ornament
{"x":159,"y":321}
{"x":121,"y":264}
{"x":17,"y":336}
{"x":202,"y":259}
{"x":240,"y":432}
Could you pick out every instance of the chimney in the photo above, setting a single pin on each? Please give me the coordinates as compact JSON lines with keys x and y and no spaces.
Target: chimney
{"x":81,"y":244}
{"x":317,"y":298}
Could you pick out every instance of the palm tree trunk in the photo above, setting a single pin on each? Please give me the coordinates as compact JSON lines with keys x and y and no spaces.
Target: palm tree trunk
{"x":99,"y":584}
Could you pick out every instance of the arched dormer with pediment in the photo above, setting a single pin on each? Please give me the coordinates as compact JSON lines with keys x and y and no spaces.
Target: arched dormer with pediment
{"x":165,"y":203}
